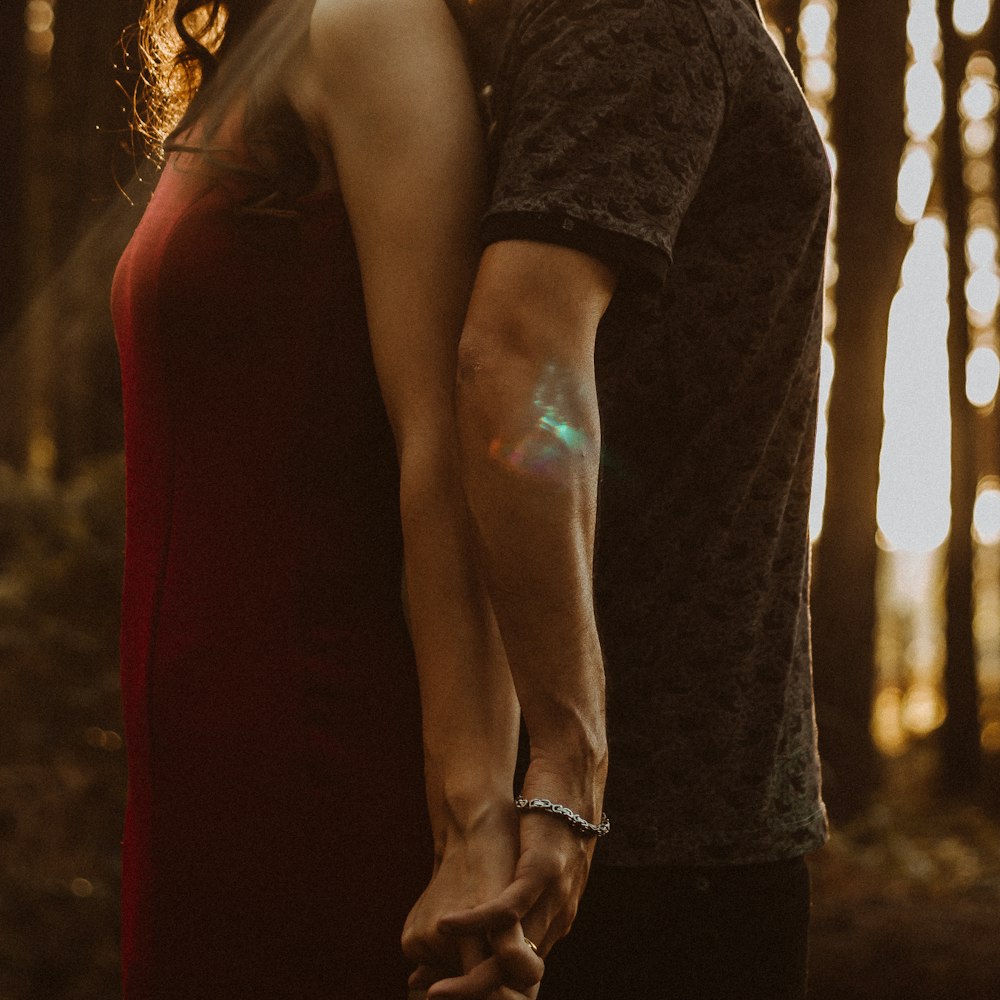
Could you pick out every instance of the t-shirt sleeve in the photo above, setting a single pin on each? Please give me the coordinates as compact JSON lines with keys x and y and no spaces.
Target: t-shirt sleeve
{"x":607,"y":114}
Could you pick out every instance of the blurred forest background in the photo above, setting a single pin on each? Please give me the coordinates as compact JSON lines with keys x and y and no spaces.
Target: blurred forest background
{"x":906,"y":508}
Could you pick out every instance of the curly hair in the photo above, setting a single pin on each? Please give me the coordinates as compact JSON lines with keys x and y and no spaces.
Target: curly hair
{"x":186,"y":45}
{"x":180,"y":42}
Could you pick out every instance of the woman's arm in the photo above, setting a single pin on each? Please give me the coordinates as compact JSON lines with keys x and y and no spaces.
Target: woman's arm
{"x":388,"y":89}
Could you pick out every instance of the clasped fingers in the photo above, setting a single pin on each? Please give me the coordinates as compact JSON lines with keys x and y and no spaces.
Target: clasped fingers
{"x":496,"y":978}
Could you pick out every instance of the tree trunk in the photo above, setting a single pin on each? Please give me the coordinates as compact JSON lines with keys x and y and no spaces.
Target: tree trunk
{"x":96,"y":220}
{"x":58,"y":365}
{"x":11,"y":74}
{"x":39,"y":184}
{"x":869,"y":136}
{"x":960,"y":748}
{"x":12,"y":282}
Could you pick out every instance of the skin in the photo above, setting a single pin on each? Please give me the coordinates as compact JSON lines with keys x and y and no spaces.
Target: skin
{"x":494,"y":410}
{"x":532,"y":323}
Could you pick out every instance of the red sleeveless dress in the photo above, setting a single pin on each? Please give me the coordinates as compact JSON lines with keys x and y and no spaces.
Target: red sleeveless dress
{"x":276,"y":831}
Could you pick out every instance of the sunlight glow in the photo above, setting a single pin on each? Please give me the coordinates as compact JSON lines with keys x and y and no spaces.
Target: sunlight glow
{"x":913,"y":503}
{"x":773,"y":30}
{"x":978,"y":98}
{"x":981,"y":65}
{"x":986,"y":513}
{"x":924,"y":100}
{"x":39,"y":21}
{"x":916,"y":175}
{"x":887,"y":727}
{"x":910,"y":648}
{"x":978,"y":106}
{"x":982,"y":292}
{"x":970,"y":16}
{"x":991,"y":737}
{"x":817,"y":42}
{"x":982,"y":215}
{"x":982,"y":376}
{"x":924,"y":105}
{"x":827,"y":366}
{"x":914,"y":509}
{"x":978,"y":175}
{"x":39,"y":15}
{"x":924,"y":88}
{"x":819,"y":78}
{"x":978,"y":137}
{"x":923,"y":30}
{"x":822,"y":123}
{"x":815,"y":23}
{"x":831,"y":155}
{"x":923,"y":709}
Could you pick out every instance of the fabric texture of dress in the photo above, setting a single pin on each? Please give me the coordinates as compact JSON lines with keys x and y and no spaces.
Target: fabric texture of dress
{"x":276,"y":832}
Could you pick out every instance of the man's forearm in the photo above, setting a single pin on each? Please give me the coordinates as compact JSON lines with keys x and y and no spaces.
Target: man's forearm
{"x":530,"y":435}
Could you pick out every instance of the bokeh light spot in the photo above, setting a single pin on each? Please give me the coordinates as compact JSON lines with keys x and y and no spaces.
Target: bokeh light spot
{"x":82,"y":888}
{"x":923,"y":709}
{"x":815,"y":22}
{"x":916,"y":175}
{"x":39,"y":16}
{"x":990,"y":738}
{"x":981,"y":247}
{"x":978,"y":137}
{"x":914,"y":507}
{"x":819,"y":78}
{"x":986,"y":513}
{"x":924,"y":100}
{"x":978,"y":98}
{"x":970,"y":16}
{"x":887,"y":727}
{"x":982,"y":292}
{"x":982,"y":376}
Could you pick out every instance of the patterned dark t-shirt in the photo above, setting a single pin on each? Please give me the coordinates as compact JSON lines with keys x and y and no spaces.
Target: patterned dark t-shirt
{"x":669,"y":138}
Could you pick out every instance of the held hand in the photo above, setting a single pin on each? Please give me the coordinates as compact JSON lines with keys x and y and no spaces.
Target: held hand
{"x":539,"y":905}
{"x":475,"y":863}
{"x":483,"y":976}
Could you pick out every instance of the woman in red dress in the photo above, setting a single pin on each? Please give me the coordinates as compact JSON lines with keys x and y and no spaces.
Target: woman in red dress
{"x":287,"y":316}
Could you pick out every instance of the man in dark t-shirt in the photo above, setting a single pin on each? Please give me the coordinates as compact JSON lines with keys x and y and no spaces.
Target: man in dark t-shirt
{"x":667,"y":141}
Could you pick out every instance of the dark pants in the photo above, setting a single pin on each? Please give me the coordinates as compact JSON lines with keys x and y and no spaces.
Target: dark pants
{"x":667,"y":933}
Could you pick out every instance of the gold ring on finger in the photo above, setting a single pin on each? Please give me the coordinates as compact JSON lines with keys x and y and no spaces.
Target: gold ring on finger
{"x":531,"y":944}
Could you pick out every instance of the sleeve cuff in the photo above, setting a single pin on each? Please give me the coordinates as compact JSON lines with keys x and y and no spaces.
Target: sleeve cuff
{"x":635,"y":260}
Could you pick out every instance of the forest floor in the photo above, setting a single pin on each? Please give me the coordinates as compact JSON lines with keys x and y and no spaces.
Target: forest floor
{"x":906,"y":899}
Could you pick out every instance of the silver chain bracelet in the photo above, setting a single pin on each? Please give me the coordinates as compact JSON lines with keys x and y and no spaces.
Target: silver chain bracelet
{"x":575,"y":820}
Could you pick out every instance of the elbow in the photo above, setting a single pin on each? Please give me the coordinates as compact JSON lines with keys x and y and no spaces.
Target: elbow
{"x":489,"y":372}
{"x":478,"y":363}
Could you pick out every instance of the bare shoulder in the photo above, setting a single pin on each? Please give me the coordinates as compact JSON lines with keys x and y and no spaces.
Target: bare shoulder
{"x":348,"y":33}
{"x":349,"y":42}
{"x":371,"y":52}
{"x":343,"y":24}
